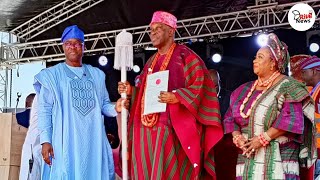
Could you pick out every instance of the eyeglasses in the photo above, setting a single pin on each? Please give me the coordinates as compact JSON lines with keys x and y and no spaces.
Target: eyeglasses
{"x":71,"y":45}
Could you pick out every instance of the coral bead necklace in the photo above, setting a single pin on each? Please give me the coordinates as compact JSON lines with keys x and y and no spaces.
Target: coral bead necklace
{"x":268,"y":84}
{"x":268,"y":81}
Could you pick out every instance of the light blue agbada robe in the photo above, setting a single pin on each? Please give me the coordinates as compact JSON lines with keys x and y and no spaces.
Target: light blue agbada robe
{"x":70,"y":118}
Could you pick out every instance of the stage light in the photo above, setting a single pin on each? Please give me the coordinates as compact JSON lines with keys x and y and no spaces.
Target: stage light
{"x":150,"y":48}
{"x":313,"y":42}
{"x":314,"y":47}
{"x":214,"y":52}
{"x":262,"y":40}
{"x":216,"y":58}
{"x":136,"y":68}
{"x":103,"y":60}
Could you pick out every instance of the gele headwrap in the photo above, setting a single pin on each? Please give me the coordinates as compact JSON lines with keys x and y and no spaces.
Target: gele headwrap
{"x":279,"y":51}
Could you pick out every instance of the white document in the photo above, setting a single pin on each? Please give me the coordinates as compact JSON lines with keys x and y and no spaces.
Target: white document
{"x":156,"y":82}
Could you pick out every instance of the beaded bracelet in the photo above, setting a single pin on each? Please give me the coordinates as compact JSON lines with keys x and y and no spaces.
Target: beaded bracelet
{"x":266,"y":136}
{"x":262,"y":140}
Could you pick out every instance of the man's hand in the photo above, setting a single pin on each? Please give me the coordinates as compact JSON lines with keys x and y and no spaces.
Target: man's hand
{"x":124,"y":88}
{"x":125,"y":102}
{"x":46,"y":152}
{"x":168,"y":97}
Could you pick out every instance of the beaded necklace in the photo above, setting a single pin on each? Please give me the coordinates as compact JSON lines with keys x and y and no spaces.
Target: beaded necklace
{"x":243,"y":115}
{"x":268,"y":81}
{"x":151,"y":119}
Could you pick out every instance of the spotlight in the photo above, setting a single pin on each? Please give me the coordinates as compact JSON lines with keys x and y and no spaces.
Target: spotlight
{"x":216,"y":58}
{"x":136,"y":68}
{"x":314,"y":47}
{"x":103,"y":60}
{"x":313,"y":41}
{"x":214,"y":52}
{"x":262,"y":40}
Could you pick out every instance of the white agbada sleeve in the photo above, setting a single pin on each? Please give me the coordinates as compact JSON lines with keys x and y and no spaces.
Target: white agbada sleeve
{"x":32,"y":140}
{"x":45,"y":104}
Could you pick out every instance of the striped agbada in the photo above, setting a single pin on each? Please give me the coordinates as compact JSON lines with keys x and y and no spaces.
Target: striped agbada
{"x":180,"y":145}
{"x":286,"y":106}
{"x":316,"y":98}
{"x":313,"y":62}
{"x":309,"y":68}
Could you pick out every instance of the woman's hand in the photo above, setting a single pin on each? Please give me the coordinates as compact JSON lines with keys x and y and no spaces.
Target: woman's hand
{"x":240,"y":141}
{"x":251,"y":146}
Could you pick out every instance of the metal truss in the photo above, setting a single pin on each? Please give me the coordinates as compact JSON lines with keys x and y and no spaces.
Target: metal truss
{"x":4,"y":70}
{"x":255,"y":18}
{"x":52,"y":17}
{"x":3,"y":88}
{"x":260,"y":2}
{"x":3,"y":78}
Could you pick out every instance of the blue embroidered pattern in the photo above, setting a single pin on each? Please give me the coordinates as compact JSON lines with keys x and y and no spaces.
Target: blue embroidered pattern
{"x":82,"y":95}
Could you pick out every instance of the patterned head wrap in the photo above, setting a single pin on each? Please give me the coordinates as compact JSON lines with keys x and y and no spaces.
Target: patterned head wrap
{"x":313,"y":62}
{"x":279,"y":51}
{"x":295,"y":65}
{"x":72,"y":32}
{"x":165,"y":18}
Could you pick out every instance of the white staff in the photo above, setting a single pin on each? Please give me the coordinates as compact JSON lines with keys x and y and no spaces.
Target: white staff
{"x":124,"y":60}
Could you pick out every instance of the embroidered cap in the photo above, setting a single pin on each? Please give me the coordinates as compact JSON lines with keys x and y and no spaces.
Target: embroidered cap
{"x":311,"y":62}
{"x":165,"y":18}
{"x":295,"y":65}
{"x":72,"y":32}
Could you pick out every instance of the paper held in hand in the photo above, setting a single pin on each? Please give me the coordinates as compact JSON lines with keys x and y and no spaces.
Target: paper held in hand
{"x":156,"y":82}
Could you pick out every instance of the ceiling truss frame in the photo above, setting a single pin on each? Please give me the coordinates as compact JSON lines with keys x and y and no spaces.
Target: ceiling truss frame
{"x":215,"y":26}
{"x":52,"y":17}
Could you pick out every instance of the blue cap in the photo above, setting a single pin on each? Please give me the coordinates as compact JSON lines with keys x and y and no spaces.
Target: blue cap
{"x":72,"y":32}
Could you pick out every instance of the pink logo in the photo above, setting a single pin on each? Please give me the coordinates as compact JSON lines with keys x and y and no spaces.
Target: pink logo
{"x":158,"y":81}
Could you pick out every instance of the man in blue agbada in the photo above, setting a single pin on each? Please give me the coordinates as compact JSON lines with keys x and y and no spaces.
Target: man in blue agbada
{"x":72,"y":98}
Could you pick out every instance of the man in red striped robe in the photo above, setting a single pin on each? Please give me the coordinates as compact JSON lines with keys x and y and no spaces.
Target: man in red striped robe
{"x":178,"y":143}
